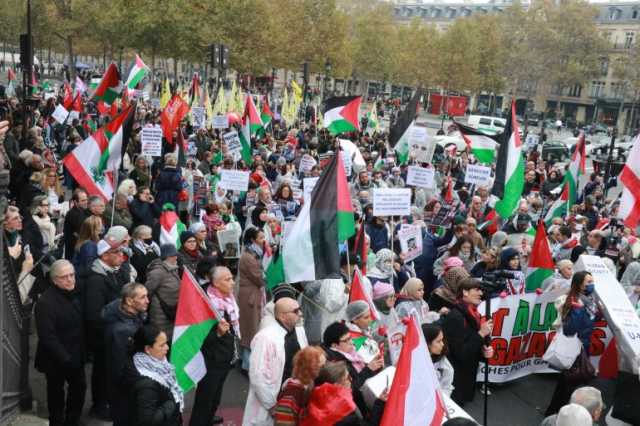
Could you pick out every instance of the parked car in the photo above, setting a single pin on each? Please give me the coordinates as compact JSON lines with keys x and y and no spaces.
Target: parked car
{"x":555,"y":150}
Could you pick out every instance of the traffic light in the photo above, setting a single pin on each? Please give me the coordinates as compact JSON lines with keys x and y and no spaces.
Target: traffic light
{"x":215,"y":55}
{"x":224,"y":56}
{"x":26,"y":51}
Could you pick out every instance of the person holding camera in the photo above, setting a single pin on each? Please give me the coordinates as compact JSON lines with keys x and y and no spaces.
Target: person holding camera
{"x":142,"y":208}
{"x":468,"y":337}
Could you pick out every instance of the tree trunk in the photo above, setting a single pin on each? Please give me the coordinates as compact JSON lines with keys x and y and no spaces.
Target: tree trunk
{"x":72,"y":61}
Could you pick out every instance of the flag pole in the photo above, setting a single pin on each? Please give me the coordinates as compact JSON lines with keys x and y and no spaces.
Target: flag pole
{"x":487,"y":313}
{"x":348,"y":265}
{"x":113,"y":196}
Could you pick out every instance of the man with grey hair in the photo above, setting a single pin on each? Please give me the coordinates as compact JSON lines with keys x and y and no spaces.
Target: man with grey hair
{"x":587,"y":397}
{"x":60,"y":354}
{"x":96,"y":206}
{"x":122,"y":318}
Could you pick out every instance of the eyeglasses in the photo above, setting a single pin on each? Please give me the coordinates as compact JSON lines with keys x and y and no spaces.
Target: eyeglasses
{"x":44,"y":205}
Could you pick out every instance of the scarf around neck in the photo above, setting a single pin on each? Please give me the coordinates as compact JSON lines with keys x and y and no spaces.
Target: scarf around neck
{"x":226,"y":304}
{"x":160,"y":371}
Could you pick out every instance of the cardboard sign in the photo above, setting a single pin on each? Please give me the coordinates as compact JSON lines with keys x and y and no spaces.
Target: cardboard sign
{"x":229,"y":241}
{"x":421,"y":177}
{"x":233,"y":142}
{"x":306,"y":163}
{"x":346,"y":159}
{"x":391,"y":201}
{"x":478,"y":175}
{"x":620,"y":314}
{"x":410,"y":242}
{"x":531,"y":140}
{"x":151,"y":141}
{"x":198,"y":117}
{"x":234,"y":180}
{"x":220,"y":122}
{"x":60,"y":114}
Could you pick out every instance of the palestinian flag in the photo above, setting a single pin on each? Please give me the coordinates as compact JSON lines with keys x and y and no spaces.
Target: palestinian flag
{"x":358,"y":292}
{"x":559,"y":206}
{"x":399,"y":132}
{"x":172,"y":115}
{"x":137,"y":73}
{"x":373,"y":125}
{"x":509,"y":180}
{"x":245,"y":141}
{"x":110,"y":86}
{"x":274,"y":274}
{"x":379,"y":164}
{"x":194,"y":91}
{"x":310,"y":251}
{"x":170,"y":226}
{"x":482,"y":146}
{"x":489,"y":223}
{"x":576,"y":169}
{"x":540,"y":263}
{"x":95,"y":161}
{"x":341,"y":114}
{"x":251,"y":116}
{"x":266,"y":115}
{"x":195,"y":318}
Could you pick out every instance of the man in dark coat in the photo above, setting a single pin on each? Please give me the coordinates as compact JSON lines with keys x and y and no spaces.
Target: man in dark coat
{"x":103,"y":284}
{"x":60,"y":354}
{"x":122,"y":318}
{"x":467,"y":337}
{"x":143,"y":210}
{"x":73,"y":220}
{"x":424,"y":263}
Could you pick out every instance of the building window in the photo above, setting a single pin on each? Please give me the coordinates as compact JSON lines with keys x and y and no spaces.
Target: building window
{"x":628,"y":39}
{"x":614,"y":14}
{"x":604,"y":66}
{"x":575,"y":91}
{"x":452,"y":13}
{"x":597,"y":89}
{"x":465,"y":12}
{"x":617,"y":90}
{"x":435,"y":13}
{"x":634,"y":14}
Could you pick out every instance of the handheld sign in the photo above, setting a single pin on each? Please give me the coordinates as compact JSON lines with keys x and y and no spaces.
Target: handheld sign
{"x":220,"y":122}
{"x":233,"y":142}
{"x":420,"y":176}
{"x":478,"y":175}
{"x":234,"y":180}
{"x":391,"y":201}
{"x":60,"y":114}
{"x":151,"y":141}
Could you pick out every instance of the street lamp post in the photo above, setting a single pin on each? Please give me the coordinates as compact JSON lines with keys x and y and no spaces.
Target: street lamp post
{"x":327,"y":78}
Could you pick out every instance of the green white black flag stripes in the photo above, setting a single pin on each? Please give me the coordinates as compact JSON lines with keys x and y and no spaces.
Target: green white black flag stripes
{"x":509,"y":180}
{"x":399,"y":132}
{"x":195,"y":318}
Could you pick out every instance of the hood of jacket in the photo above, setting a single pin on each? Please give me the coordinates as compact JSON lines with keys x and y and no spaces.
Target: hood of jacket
{"x":112,"y":313}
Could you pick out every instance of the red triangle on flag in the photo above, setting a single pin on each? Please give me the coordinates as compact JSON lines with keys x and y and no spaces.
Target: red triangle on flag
{"x":193,"y":304}
{"x":351,"y":111}
{"x":358,"y":292}
{"x":540,"y":252}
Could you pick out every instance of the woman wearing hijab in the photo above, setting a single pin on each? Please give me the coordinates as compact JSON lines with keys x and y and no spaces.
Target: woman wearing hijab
{"x":446,"y":294}
{"x":251,"y":296}
{"x":189,"y":255}
{"x":412,"y":298}
{"x":387,"y":270}
{"x":207,"y":247}
{"x":510,"y":263}
{"x":157,"y":398}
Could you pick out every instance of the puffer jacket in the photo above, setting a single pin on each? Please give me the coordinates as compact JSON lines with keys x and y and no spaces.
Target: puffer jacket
{"x":163,"y":284}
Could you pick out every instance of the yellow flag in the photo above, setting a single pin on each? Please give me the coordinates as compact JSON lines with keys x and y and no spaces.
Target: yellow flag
{"x":165,"y":97}
{"x":207,"y":104}
{"x":240,"y":101}
{"x":231,"y":106}
{"x":285,"y":105}
{"x":220,"y":106}
{"x":297,"y":90}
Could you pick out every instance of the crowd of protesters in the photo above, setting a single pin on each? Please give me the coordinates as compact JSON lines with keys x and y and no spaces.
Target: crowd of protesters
{"x":104,"y":288}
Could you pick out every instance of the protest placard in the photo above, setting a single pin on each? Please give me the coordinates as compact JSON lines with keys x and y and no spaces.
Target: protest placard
{"x":233,"y":141}
{"x":151,"y":141}
{"x":421,"y":146}
{"x":620,"y":314}
{"x":306,"y":163}
{"x":73,"y":115}
{"x":60,"y":114}
{"x":421,"y":177}
{"x":410,"y":242}
{"x":198,"y":117}
{"x":346,"y":160}
{"x":234,"y":180}
{"x":523,"y":329}
{"x":220,"y":122}
{"x":391,"y":201}
{"x":478,"y":175}
{"x":229,"y":241}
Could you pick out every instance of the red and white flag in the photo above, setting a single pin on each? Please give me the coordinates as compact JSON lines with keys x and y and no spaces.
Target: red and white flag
{"x":630,"y":178}
{"x":414,"y":398}
{"x":358,"y":292}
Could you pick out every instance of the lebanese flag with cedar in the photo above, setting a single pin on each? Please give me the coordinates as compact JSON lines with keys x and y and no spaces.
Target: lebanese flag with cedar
{"x":414,"y":398}
{"x":630,"y":178}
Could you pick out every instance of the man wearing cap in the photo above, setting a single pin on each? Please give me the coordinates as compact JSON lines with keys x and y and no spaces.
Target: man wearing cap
{"x":163,"y":283}
{"x":103,"y":284}
{"x":270,"y":351}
